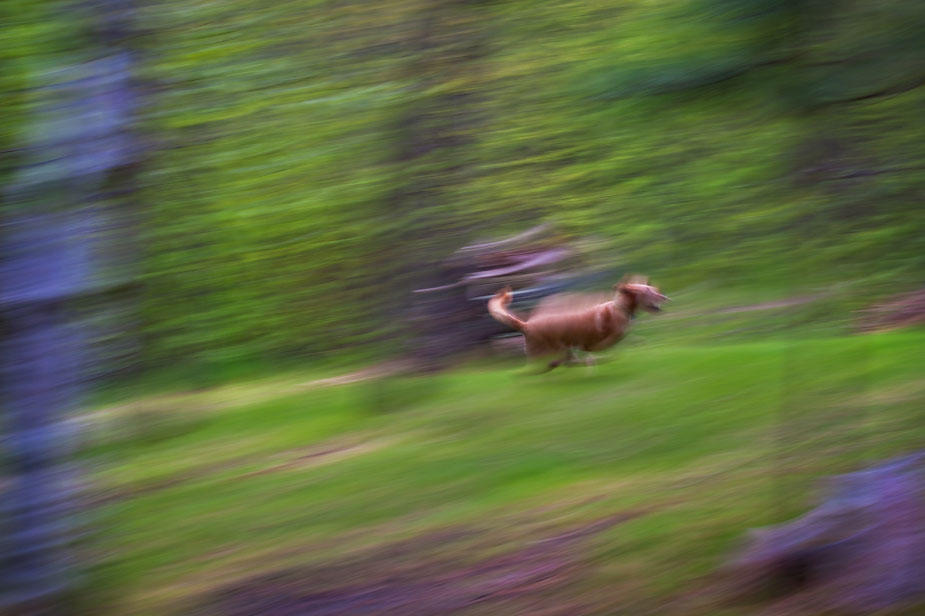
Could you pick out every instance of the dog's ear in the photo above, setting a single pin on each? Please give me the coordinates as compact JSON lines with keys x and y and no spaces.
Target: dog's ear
{"x":630,"y":282}
{"x":634,"y":279}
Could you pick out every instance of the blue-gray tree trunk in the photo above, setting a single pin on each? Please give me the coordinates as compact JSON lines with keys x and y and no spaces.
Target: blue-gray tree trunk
{"x":77,"y":143}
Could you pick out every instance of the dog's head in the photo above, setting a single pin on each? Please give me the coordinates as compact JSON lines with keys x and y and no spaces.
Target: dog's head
{"x":645,"y":295}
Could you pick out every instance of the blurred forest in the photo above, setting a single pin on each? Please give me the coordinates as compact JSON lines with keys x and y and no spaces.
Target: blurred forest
{"x":303,"y":163}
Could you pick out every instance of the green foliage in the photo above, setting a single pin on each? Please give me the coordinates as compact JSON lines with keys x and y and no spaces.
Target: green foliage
{"x":310,"y":159}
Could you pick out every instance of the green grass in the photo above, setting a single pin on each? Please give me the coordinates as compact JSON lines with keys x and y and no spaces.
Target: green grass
{"x":707,"y":439}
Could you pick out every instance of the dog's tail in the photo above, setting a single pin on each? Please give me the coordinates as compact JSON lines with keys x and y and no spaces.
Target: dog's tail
{"x":497,"y":307}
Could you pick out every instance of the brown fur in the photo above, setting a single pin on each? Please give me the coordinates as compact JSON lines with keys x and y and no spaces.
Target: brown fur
{"x":562,"y":324}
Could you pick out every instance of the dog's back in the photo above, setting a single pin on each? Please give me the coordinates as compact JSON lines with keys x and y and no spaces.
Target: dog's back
{"x":585,"y":326}
{"x":569,"y":303}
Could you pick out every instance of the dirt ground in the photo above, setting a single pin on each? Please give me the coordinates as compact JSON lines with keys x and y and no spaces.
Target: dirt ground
{"x":417,"y":578}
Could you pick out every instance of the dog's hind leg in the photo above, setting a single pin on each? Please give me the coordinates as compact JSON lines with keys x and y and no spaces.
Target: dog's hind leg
{"x":540,"y":367}
{"x":543,"y":366}
{"x":540,"y":353}
{"x":567,"y":360}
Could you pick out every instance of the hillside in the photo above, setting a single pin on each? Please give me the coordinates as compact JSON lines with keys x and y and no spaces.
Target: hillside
{"x":483,"y":490}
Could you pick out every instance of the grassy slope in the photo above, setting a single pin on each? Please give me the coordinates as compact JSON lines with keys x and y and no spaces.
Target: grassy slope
{"x":708,"y":437}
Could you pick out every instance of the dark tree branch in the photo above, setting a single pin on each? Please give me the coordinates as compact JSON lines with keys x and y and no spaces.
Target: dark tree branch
{"x":862,"y":173}
{"x":886,"y":91}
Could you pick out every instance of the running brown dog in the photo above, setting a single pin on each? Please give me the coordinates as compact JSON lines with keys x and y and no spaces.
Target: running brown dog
{"x":557,"y":328}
